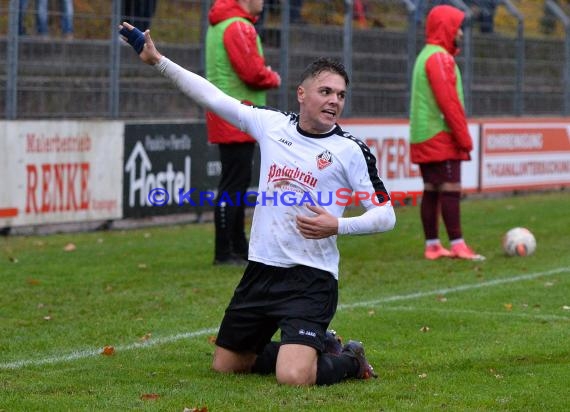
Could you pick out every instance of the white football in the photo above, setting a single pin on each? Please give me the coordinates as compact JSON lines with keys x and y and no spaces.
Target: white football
{"x":519,"y":241}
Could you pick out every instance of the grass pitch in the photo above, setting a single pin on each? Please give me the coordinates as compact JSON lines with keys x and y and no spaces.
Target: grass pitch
{"x":443,"y":335}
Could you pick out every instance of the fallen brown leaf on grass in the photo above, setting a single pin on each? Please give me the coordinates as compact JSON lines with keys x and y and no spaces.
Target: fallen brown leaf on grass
{"x":212,"y":339}
{"x":108,"y":351}
{"x":146,"y":337}
{"x":149,"y":396}
{"x":33,"y":282}
{"x":70,"y":247}
{"x":508,"y":306}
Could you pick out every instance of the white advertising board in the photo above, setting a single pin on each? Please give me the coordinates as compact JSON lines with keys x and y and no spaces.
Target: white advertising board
{"x":525,"y":155}
{"x":60,"y":171}
{"x":389,"y":142}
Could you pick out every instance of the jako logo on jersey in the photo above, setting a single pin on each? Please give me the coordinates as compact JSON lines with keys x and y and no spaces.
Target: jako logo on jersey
{"x":277,"y":173}
{"x":324,"y":160}
{"x":287,"y":142}
{"x":304,"y":332}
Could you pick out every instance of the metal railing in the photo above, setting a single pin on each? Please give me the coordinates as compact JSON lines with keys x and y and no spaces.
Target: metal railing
{"x":518,"y":101}
{"x":94,"y":76}
{"x":560,"y":15}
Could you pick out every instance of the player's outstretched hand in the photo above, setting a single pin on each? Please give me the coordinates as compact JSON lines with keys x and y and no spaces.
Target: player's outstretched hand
{"x":141,"y":43}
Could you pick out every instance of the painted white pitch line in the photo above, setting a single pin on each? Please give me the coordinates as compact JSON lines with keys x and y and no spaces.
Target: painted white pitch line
{"x":81,"y":354}
{"x":158,"y":341}
{"x":459,"y":288}
{"x":531,"y":316}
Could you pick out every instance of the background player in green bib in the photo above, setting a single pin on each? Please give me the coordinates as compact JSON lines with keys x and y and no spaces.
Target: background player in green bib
{"x":439,"y":137}
{"x":235,"y":64}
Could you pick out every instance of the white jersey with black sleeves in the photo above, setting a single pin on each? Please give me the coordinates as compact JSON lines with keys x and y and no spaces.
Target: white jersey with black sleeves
{"x":297,"y":169}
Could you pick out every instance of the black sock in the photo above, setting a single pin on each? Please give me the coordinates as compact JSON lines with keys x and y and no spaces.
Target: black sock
{"x":332,"y":369}
{"x":266,"y":360}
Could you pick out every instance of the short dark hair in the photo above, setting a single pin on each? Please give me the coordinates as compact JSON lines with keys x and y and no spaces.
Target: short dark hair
{"x":324,"y":64}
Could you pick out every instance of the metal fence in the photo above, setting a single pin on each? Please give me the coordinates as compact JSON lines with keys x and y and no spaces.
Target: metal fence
{"x":92,"y":75}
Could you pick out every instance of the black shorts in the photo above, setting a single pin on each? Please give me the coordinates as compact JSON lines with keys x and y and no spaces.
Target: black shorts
{"x":300,"y":301}
{"x":448,"y":171}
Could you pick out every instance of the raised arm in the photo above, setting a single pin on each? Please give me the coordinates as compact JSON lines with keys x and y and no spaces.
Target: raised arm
{"x":192,"y":85}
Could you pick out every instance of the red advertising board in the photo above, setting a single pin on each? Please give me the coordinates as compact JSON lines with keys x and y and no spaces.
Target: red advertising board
{"x":524,"y":155}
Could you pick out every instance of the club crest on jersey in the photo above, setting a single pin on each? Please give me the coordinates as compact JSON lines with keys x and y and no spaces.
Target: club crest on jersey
{"x":324,"y":160}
